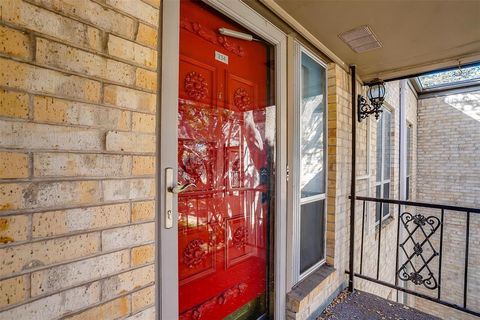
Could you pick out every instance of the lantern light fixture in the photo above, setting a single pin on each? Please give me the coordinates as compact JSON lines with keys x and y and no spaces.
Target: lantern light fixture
{"x":376,"y":95}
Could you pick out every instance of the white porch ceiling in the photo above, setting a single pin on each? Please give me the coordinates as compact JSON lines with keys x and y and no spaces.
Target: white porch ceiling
{"x":416,"y":36}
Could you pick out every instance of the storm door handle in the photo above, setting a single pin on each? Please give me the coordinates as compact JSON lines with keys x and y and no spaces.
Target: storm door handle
{"x":170,"y":190}
{"x":181,"y":188}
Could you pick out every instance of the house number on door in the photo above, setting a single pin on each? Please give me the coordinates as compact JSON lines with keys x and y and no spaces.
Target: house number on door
{"x":221,"y":57}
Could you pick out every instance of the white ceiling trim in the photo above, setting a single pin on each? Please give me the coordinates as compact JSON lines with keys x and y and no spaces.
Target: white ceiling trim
{"x":280,"y":12}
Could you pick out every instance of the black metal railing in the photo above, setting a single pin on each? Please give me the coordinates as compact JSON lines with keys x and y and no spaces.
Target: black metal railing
{"x":419,"y":249}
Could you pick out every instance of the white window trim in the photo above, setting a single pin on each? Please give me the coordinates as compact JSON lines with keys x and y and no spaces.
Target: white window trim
{"x":389,"y":180}
{"x":296,"y":276}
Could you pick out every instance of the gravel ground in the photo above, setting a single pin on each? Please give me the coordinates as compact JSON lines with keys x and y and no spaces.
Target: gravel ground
{"x":360,"y":305}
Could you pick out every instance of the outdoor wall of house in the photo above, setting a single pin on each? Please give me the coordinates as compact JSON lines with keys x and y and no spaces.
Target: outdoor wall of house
{"x":448,"y":149}
{"x":366,"y":177}
{"x":449,"y":173}
{"x":77,"y":123}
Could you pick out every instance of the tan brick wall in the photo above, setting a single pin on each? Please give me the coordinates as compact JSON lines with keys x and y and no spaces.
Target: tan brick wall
{"x":448,"y":173}
{"x":448,"y":153}
{"x":78,"y":84}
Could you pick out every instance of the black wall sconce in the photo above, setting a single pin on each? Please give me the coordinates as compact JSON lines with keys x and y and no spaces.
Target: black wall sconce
{"x":376,"y":95}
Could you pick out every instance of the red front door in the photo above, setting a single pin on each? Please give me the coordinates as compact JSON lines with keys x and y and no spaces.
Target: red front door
{"x":226,"y":135}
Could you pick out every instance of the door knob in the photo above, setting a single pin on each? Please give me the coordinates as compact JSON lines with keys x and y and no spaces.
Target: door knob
{"x":179,"y":189}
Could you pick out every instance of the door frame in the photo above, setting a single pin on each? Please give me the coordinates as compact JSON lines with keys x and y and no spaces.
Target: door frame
{"x":167,"y":255}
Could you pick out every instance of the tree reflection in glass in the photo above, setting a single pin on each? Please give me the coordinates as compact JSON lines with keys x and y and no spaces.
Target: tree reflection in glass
{"x":312,"y":180}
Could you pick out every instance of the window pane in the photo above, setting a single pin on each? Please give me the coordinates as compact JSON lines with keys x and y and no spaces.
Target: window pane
{"x":450,"y":77}
{"x":312,"y":234}
{"x":408,"y":188}
{"x":378,"y":194}
{"x":387,"y":116}
{"x":409,"y":150}
{"x":386,"y":195}
{"x":379,"y":149}
{"x":312,"y":124}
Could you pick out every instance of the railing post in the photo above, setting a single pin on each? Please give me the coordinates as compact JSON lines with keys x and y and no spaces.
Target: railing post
{"x":465,"y":279}
{"x":353,"y":178}
{"x":442,"y":217}
{"x":363,"y":233}
{"x":396,"y":248}
{"x":379,"y":247}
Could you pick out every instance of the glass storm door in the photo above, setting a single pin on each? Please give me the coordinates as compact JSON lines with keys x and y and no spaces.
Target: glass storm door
{"x":226,"y":140}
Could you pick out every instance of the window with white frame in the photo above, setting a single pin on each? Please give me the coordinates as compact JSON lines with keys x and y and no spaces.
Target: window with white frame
{"x":409,"y":161}
{"x":310,"y":164}
{"x":383,"y":182}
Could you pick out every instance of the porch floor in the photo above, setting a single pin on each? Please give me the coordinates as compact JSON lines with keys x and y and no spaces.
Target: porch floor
{"x":365,"y":306}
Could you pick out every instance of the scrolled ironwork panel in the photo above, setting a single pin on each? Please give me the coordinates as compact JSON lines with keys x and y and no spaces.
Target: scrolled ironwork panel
{"x":419,"y":230}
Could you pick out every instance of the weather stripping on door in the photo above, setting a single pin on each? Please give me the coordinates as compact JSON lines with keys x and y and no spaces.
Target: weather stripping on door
{"x":170,"y":191}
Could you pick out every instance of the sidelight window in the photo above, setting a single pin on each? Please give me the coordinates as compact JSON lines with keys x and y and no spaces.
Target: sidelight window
{"x":310,"y":163}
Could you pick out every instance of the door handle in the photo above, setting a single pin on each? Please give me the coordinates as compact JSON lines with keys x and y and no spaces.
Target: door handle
{"x":180,"y":188}
{"x":170,"y":190}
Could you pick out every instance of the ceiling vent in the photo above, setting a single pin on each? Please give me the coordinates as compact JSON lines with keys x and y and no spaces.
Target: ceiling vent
{"x":361,"y":39}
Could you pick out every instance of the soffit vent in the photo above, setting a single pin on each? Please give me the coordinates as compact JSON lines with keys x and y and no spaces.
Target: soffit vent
{"x":361,"y":39}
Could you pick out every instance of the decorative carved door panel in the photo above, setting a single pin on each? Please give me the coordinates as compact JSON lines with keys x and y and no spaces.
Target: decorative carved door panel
{"x":226,"y":137}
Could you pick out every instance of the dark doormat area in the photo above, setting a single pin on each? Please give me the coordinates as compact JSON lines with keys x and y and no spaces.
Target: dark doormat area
{"x":365,"y":306}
